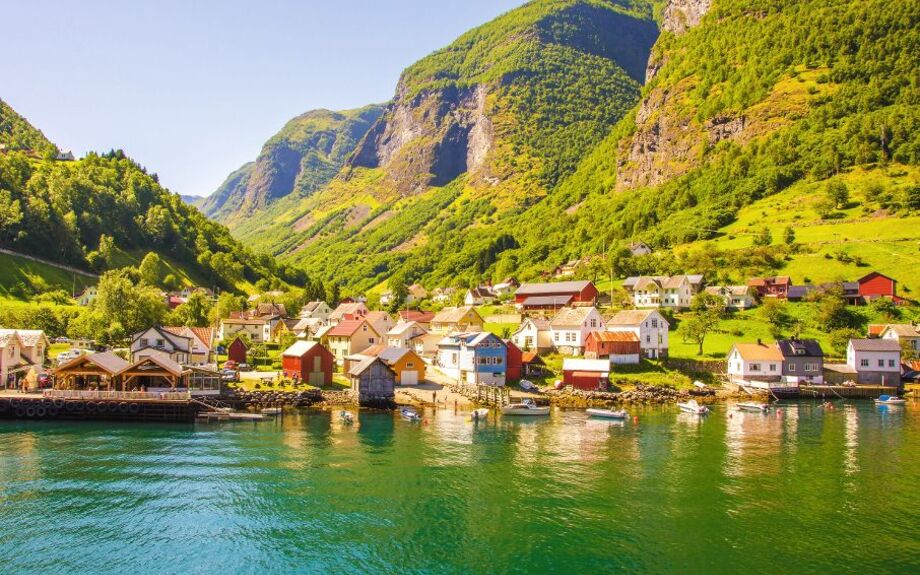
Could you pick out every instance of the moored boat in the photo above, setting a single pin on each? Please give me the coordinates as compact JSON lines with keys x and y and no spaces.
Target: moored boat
{"x":346,"y":416}
{"x":753,"y":406}
{"x":890,"y":400}
{"x":271,"y":411}
{"x":526,"y":407}
{"x":693,"y":407}
{"x":410,"y":414}
{"x":607,"y":413}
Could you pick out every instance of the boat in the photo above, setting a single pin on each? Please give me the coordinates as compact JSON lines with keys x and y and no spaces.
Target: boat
{"x":410,"y":414}
{"x":693,"y":407}
{"x":271,"y":411}
{"x":526,"y":407}
{"x":753,"y":406}
{"x":346,"y":416}
{"x":607,"y":413}
{"x":890,"y":400}
{"x":480,"y":414}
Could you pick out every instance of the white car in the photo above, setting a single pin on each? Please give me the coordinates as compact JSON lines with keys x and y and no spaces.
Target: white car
{"x":68,"y":355}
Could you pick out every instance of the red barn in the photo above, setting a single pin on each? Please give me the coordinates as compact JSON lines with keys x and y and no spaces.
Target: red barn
{"x":578,"y":291}
{"x":514,"y":363}
{"x":237,"y":351}
{"x":621,"y":347}
{"x":777,"y":286}
{"x":877,"y":285}
{"x":308,"y":361}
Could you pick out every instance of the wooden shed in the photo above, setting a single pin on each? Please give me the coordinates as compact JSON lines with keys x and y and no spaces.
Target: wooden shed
{"x":588,"y":374}
{"x":97,"y":370}
{"x":237,"y":350}
{"x":620,"y":347}
{"x":308,"y":361}
{"x":373,"y":381}
{"x":515,"y":362}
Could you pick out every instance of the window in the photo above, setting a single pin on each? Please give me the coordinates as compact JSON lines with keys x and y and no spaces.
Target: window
{"x":655,"y":323}
{"x":791,"y":367}
{"x":881,"y":363}
{"x":160,"y":343}
{"x":755,"y":367}
{"x":648,"y":338}
{"x":410,"y":364}
{"x":772,"y":367}
{"x":593,"y":322}
{"x":556,"y":336}
{"x":890,"y":363}
{"x":370,"y":340}
{"x":864,"y":363}
{"x":143,"y":342}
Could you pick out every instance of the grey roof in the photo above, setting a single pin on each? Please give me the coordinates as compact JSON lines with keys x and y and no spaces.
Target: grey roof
{"x":800,"y":348}
{"x":548,"y":300}
{"x":572,"y":287}
{"x":875,"y":344}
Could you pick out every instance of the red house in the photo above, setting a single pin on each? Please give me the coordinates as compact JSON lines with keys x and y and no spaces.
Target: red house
{"x":514,"y":363}
{"x":308,"y":361}
{"x":237,"y":351}
{"x":571,"y":292}
{"x":621,"y":347}
{"x":777,"y":286}
{"x":876,"y":285}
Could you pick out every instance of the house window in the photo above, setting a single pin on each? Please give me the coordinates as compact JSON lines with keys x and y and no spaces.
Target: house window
{"x":881,"y":363}
{"x":890,"y":363}
{"x":772,"y":367}
{"x":791,"y":367}
{"x":370,"y":340}
{"x":864,"y":363}
{"x":143,"y":342}
{"x":593,"y":322}
{"x":410,"y":364}
{"x":755,"y":367}
{"x":655,"y":323}
{"x":648,"y":338}
{"x":556,"y":336}
{"x":160,"y":343}
{"x":453,"y":359}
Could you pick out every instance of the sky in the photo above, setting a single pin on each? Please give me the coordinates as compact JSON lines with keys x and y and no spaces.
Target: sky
{"x":192,"y":89}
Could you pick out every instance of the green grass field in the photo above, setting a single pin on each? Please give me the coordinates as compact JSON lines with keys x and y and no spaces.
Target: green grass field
{"x":37,"y":277}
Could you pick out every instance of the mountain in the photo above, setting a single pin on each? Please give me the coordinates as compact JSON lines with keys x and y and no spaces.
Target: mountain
{"x":16,"y":133}
{"x":565,"y":128}
{"x":106,"y":211}
{"x":307,"y":153}
{"x":476,"y":133}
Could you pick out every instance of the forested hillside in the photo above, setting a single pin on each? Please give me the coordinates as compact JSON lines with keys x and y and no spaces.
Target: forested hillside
{"x":16,"y":133}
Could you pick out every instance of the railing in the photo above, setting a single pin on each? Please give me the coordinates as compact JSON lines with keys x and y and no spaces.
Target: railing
{"x":116,"y":395}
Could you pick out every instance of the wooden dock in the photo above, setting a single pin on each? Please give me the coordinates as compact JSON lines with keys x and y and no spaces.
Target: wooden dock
{"x":125,"y":410}
{"x":845,"y":391}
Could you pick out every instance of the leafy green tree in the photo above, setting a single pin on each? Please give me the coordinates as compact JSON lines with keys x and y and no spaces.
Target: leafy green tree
{"x":126,"y":307}
{"x":195,"y":312}
{"x":10,"y":214}
{"x":151,"y":269}
{"x":706,"y":312}
{"x":838,"y":192}
{"x":775,"y":313}
{"x":789,"y":236}
{"x":226,"y":304}
{"x":833,"y":312}
{"x":763,"y":237}
{"x":840,"y":339}
{"x":399,"y":291}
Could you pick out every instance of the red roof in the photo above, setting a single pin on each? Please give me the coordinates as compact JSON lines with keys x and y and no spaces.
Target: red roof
{"x":416,"y":315}
{"x":346,"y":328}
{"x":530,"y":357}
{"x":626,"y":336}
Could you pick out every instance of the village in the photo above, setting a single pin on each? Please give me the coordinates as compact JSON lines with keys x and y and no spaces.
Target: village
{"x":536,"y":339}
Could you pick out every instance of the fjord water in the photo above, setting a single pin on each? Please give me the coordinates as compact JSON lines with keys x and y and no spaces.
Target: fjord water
{"x":806,"y":490}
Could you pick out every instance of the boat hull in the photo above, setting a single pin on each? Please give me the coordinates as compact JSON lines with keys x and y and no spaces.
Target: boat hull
{"x":607,"y":414}
{"x":526,"y":411}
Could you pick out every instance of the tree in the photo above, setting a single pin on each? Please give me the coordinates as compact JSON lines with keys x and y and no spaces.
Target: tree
{"x":840,"y":339}
{"x":833,"y":313}
{"x":774,"y":312}
{"x":151,"y":269}
{"x":707,"y":310}
{"x":789,"y":236}
{"x":334,"y":295}
{"x":398,"y":291}
{"x":838,"y":192}
{"x":10,"y":214}
{"x":825,"y":207}
{"x":106,"y":249}
{"x":226,"y":304}
{"x":126,"y":308}
{"x":195,"y":312}
{"x":763,"y":237}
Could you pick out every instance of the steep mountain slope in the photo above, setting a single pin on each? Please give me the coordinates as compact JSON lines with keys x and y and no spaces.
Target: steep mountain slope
{"x":16,"y":133}
{"x":476,"y":133}
{"x":307,"y":153}
{"x":104,"y":211}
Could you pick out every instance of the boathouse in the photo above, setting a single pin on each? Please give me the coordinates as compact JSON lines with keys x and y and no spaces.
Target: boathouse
{"x":373,"y":381}
{"x":308,"y":361}
{"x":93,"y":371}
{"x":588,"y":374}
{"x":237,"y":350}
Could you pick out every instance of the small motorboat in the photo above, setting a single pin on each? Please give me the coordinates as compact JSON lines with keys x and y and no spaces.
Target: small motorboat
{"x":480,"y":414}
{"x":527,"y":385}
{"x":410,"y":414}
{"x":693,"y":407}
{"x":526,"y":407}
{"x":890,"y":400}
{"x":346,"y":416}
{"x":753,"y":406}
{"x":607,"y":413}
{"x":271,"y":411}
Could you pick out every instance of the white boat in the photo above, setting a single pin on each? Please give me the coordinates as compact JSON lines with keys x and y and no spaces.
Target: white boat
{"x":527,"y":385}
{"x":410,"y":414}
{"x":890,"y":400}
{"x":346,"y":416}
{"x":607,"y":413}
{"x":753,"y":406}
{"x":271,"y":411}
{"x":693,"y":407}
{"x":480,"y":414}
{"x":526,"y":407}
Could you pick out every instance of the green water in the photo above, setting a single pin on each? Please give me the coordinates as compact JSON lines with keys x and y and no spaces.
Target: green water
{"x":804,"y":491}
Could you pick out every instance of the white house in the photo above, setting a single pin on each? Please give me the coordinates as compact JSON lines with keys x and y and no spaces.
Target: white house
{"x":473,"y":357}
{"x":751,"y":363}
{"x":402,"y":334}
{"x":318,"y":310}
{"x":34,"y":346}
{"x":258,"y":330}
{"x":735,"y":297}
{"x":505,"y":287}
{"x":534,"y":334}
{"x":481,"y":295}
{"x":649,"y":326}
{"x":876,"y":361}
{"x":202,"y":339}
{"x":675,"y":292}
{"x":12,"y":366}
{"x":87,"y":296}
{"x":571,"y":326}
{"x":158,"y":341}
{"x":905,"y":334}
{"x":639,"y":249}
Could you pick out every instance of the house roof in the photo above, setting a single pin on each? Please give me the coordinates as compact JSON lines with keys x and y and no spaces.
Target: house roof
{"x":323,"y":331}
{"x":728,"y":290}
{"x":416,"y":315}
{"x":311,"y":306}
{"x":299,"y":348}
{"x":376,"y":316}
{"x":776,"y":280}
{"x":758,"y":351}
{"x":571,"y":316}
{"x":362,"y":366}
{"x":203,"y":334}
{"x":891,"y":345}
{"x":620,"y":336}
{"x":586,"y":365}
{"x":631,"y":317}
{"x":160,"y":361}
{"x":28,"y":337}
{"x":239,"y":339}
{"x":570,"y":287}
{"x":796,"y":292}
{"x":179,"y":340}
{"x":548,"y":300}
{"x":346,"y":308}
{"x":899,"y":329}
{"x":404,"y":326}
{"x":348,"y":327}
{"x":106,"y":360}
{"x":389,"y":355}
{"x":244,"y":321}
{"x":872,"y":275}
{"x":876,"y":329}
{"x":531,"y":357}
{"x":453,"y":314}
{"x":539,"y":323}
{"x":800,"y":348}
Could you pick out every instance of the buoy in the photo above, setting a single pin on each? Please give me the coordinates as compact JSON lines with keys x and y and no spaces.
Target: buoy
{"x":635,"y":419}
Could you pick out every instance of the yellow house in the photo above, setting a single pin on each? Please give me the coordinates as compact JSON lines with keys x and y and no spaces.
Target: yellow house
{"x":408,"y":366}
{"x":350,"y":337}
{"x":457,"y":319}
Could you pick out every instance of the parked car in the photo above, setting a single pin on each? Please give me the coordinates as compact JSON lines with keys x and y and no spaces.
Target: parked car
{"x":62,"y":340}
{"x":229,"y":375}
{"x":68,"y":355}
{"x":245,"y":367}
{"x":230,"y":364}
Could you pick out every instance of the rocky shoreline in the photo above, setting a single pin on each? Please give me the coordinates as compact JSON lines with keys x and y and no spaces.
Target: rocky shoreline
{"x":307,"y":398}
{"x":641,"y":394}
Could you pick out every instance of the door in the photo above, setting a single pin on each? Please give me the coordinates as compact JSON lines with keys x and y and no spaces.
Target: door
{"x":409,"y":377}
{"x":317,"y":377}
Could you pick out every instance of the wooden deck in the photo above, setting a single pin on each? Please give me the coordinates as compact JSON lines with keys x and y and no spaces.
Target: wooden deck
{"x":115,"y":406}
{"x":846,"y":391}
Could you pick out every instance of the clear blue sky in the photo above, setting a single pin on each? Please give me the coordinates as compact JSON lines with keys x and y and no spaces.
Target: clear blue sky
{"x":191,"y":89}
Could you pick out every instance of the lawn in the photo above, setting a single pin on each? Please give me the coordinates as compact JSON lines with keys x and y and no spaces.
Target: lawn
{"x":38,"y":277}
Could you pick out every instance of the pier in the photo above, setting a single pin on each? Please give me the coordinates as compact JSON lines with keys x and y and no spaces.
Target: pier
{"x":125,"y":406}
